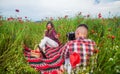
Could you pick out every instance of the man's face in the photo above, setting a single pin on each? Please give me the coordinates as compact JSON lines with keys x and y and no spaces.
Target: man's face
{"x":81,"y":32}
{"x":76,"y":34}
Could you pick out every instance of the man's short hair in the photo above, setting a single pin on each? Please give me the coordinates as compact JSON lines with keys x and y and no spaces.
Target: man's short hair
{"x":83,"y":25}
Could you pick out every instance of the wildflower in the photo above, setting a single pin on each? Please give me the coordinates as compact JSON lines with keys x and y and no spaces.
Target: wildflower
{"x":66,"y":16}
{"x":99,"y":15}
{"x":17,"y":10}
{"x":112,"y":36}
{"x":51,"y":18}
{"x":19,"y":18}
{"x":110,"y":59}
{"x":118,"y":71}
{"x":20,"y":21}
{"x":109,"y":29}
{"x":96,"y":51}
{"x":88,"y":16}
{"x":25,"y":16}
{"x":10,"y":19}
{"x":80,"y":13}
{"x":58,"y":35}
{"x":92,"y":31}
{"x":59,"y":18}
{"x":99,"y":69}
{"x":109,"y":36}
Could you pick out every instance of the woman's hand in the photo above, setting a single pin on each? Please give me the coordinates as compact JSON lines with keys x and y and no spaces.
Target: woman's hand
{"x":35,"y":53}
{"x":57,"y":35}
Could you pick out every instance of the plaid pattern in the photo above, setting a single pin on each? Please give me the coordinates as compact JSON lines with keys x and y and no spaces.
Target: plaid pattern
{"x":46,"y":66}
{"x":84,"y":47}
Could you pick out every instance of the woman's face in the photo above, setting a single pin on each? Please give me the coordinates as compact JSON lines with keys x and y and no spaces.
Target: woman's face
{"x":49,"y":26}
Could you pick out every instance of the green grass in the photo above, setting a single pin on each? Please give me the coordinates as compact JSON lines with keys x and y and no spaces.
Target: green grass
{"x":13,"y":34}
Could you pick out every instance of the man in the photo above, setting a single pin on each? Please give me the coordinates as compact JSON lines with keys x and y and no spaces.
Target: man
{"x":78,"y":51}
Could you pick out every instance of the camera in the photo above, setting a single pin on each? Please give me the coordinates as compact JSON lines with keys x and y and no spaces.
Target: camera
{"x":71,"y":36}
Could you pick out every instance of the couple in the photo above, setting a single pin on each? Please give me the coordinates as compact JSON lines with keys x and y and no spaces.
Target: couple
{"x":74,"y":52}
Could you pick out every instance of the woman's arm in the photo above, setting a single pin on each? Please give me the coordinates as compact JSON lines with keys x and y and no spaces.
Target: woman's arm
{"x":55,"y":34}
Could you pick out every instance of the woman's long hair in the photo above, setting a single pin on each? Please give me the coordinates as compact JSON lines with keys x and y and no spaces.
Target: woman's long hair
{"x":52,"y":25}
{"x":49,"y":22}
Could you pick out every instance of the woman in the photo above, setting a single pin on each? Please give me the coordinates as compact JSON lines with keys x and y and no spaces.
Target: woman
{"x":50,"y":39}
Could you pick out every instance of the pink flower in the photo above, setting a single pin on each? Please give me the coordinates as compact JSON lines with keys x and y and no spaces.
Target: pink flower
{"x":59,"y":18}
{"x":10,"y":19}
{"x":25,"y":16}
{"x":88,"y":15}
{"x":0,"y":17}
{"x":80,"y":13}
{"x":113,"y":37}
{"x":66,"y":16}
{"x":17,"y":10}
{"x":51,"y":18}
{"x":20,"y":21}
{"x":19,"y":18}
{"x":99,"y":15}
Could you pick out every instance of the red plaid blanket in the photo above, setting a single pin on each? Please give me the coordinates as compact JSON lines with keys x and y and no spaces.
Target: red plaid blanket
{"x":46,"y":66}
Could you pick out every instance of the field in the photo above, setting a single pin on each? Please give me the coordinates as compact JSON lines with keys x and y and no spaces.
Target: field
{"x":14,"y":34}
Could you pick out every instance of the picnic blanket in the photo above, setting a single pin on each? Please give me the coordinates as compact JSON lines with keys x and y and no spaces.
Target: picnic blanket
{"x":50,"y":65}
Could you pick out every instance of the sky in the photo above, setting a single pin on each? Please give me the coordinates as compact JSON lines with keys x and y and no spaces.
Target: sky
{"x":40,"y":9}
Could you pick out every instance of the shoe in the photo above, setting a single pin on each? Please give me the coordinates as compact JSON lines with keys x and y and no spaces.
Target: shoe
{"x":42,"y":52}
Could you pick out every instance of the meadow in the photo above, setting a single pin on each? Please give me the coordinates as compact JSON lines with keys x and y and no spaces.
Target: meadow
{"x":14,"y":34}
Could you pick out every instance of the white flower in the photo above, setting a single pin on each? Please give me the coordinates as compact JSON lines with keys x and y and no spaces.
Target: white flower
{"x":117,"y":71}
{"x":99,"y":69}
{"x":87,"y":73}
{"x":110,"y":59}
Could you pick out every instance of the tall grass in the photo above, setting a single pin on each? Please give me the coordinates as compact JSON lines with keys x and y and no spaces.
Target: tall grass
{"x":13,"y":34}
